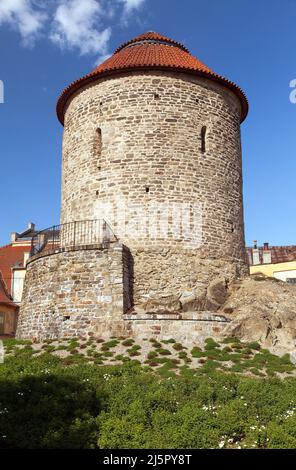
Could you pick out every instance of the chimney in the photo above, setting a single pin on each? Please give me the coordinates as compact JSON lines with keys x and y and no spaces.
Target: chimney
{"x":266,"y":253}
{"x":256,"y":256}
{"x":13,"y":237}
{"x":31,"y":226}
{"x":255,"y":244}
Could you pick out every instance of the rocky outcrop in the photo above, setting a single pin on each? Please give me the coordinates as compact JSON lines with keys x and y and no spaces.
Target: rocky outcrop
{"x":216,"y":294}
{"x":264,"y":310}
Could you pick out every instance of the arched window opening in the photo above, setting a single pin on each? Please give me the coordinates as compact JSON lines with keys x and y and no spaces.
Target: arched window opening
{"x":203,"y":139}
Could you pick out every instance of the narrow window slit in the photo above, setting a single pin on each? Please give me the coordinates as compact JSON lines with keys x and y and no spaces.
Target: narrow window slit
{"x":98,"y":142}
{"x":203,"y":139}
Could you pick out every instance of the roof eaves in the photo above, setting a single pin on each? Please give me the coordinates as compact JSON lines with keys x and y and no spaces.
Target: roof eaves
{"x":94,"y":75}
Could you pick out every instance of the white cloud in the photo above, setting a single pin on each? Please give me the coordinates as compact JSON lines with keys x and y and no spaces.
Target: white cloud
{"x":130,"y":5}
{"x":22,"y":16}
{"x":75,"y":26}
{"x":84,"y":25}
{"x":129,"y":8}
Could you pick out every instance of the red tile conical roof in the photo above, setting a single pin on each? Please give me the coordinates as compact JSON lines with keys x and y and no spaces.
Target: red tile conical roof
{"x":153,"y":37}
{"x":150,"y":51}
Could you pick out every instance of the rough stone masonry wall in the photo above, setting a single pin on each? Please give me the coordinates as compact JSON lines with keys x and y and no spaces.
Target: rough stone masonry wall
{"x":87,"y":292}
{"x":150,"y":138}
{"x":69,"y":293}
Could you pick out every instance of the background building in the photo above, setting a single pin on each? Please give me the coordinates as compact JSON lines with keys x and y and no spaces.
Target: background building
{"x":13,"y":259}
{"x":273,"y":261}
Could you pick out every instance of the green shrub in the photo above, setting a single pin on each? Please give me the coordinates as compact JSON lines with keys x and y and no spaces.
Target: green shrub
{"x":253,"y":345}
{"x":50,"y":402}
{"x":72,"y":351}
{"x":50,"y":348}
{"x":12,"y":342}
{"x":61,"y":347}
{"x":237,"y":346}
{"x":231,"y":340}
{"x":108,"y":354}
{"x":155,"y":344}
{"x":152,"y":354}
{"x":73,"y":345}
{"x":128,"y":342}
{"x":134,"y":350}
{"x":197,"y":352}
{"x":134,"y":353}
{"x":182,"y":355}
{"x":163,"y":352}
{"x":209,"y":365}
{"x":111,"y":344}
{"x":256,"y":371}
{"x":119,"y":357}
{"x":211,"y":344}
{"x":178,"y":347}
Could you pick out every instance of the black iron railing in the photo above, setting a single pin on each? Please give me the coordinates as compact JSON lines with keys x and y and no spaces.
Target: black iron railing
{"x":71,"y":235}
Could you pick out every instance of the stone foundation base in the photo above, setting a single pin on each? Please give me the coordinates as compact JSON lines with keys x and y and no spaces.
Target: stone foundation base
{"x":89,"y":291}
{"x":190,"y":328}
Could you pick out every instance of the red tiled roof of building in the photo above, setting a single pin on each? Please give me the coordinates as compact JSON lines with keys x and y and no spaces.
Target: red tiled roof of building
{"x":150,"y":51}
{"x":11,"y":255}
{"x":279,"y":254}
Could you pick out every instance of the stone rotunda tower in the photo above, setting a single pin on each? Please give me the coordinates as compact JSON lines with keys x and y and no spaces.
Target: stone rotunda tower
{"x":152,"y":213}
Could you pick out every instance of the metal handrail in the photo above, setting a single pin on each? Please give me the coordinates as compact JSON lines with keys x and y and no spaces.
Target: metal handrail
{"x":71,"y":235}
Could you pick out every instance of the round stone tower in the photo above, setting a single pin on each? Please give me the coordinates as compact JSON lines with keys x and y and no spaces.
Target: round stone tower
{"x":152,"y":145}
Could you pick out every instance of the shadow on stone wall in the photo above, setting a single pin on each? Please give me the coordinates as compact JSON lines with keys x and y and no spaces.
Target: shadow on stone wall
{"x":128,"y":279}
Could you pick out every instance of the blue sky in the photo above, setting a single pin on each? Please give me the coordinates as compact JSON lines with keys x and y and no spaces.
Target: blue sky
{"x":45,"y":45}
